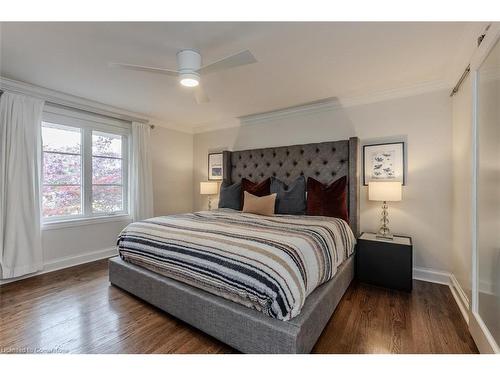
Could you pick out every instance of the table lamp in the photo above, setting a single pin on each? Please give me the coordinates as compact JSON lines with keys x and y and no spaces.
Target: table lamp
{"x":209,"y":188}
{"x":384,"y":191}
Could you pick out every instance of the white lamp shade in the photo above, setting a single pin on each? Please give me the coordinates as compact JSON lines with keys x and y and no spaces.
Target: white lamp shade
{"x":388,"y":191}
{"x":208,"y":188}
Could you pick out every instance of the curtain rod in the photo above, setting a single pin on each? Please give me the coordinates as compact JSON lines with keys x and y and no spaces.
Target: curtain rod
{"x":460,"y":81}
{"x":103,"y":113}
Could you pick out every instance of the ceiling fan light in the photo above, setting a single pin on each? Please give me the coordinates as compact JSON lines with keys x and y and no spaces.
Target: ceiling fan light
{"x":189,"y":79}
{"x":189,"y":82}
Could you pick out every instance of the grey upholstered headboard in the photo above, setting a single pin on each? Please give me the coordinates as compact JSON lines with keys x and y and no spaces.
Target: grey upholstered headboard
{"x":325,"y":161}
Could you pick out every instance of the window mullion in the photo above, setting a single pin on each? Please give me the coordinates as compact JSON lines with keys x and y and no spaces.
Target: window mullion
{"x":87,"y":172}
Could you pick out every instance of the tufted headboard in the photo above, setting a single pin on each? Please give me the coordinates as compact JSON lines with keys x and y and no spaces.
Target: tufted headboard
{"x":325,"y":161}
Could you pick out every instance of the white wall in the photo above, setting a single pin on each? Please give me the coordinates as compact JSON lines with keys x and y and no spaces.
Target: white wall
{"x":64,"y":247}
{"x":424,"y":121}
{"x":461,"y":238}
{"x":172,"y":153}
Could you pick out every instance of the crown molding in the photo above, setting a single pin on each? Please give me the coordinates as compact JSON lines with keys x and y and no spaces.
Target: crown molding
{"x":328,"y":104}
{"x":213,"y":126}
{"x":76,"y":102}
{"x":182,"y":128}
{"x":393,"y":94}
{"x":68,"y":100}
{"x":311,"y":107}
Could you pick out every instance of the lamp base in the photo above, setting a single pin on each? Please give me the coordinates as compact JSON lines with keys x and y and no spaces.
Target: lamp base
{"x":384,"y":231}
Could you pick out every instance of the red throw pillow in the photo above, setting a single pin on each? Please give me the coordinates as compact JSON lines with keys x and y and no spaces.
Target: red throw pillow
{"x":327,"y":200}
{"x":258,"y":189}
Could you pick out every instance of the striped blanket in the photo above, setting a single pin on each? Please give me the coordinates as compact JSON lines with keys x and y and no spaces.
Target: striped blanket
{"x":269,"y":263}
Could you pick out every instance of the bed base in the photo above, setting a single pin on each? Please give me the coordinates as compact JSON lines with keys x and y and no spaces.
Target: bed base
{"x":244,"y":329}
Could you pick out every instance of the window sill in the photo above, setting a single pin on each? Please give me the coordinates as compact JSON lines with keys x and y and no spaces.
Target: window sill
{"x":84,"y":221}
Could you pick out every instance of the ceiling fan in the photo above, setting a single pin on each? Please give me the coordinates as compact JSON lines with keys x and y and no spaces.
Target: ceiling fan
{"x":189,"y":68}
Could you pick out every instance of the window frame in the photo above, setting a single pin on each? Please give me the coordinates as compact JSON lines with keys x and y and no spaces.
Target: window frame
{"x":88,"y":123}
{"x":42,"y":182}
{"x":125,"y":181}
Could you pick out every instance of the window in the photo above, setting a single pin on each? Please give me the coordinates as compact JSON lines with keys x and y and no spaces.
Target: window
{"x":84,"y":169}
{"x":107,"y":176}
{"x":62,"y":171}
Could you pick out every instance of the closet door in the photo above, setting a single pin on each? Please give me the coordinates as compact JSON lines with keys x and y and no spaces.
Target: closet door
{"x":486,"y":300}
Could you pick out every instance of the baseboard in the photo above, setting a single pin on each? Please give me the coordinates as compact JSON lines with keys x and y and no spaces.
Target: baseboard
{"x":480,"y":333}
{"x":443,"y":277}
{"x":482,"y":336}
{"x":460,"y":297}
{"x":66,"y":262}
{"x":431,"y":275}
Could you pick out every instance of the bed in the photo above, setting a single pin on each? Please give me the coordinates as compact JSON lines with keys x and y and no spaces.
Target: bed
{"x":259,"y":284}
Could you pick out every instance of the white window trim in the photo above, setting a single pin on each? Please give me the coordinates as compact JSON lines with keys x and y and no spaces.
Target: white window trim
{"x":79,"y":221}
{"x":87,"y":123}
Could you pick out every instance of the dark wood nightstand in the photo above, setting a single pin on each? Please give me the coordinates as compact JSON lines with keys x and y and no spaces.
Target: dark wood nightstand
{"x":387,"y":263}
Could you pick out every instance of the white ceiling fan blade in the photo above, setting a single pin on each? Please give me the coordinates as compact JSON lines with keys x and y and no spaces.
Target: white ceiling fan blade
{"x":141,"y":68}
{"x":200,"y":95}
{"x":233,"y":61}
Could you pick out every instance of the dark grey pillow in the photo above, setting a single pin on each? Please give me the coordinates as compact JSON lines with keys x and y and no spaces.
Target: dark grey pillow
{"x":230,"y":196}
{"x":290,"y":200}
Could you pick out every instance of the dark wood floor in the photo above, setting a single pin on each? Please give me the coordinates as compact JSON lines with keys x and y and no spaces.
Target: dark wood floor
{"x":76,"y":310}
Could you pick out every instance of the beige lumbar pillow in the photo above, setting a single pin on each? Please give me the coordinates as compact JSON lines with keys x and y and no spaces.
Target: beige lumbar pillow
{"x":259,"y":205}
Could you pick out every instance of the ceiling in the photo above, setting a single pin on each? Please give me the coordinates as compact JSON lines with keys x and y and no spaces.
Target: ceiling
{"x":297,"y":62}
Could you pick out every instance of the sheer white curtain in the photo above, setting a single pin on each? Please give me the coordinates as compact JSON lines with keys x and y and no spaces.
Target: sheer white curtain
{"x":20,"y":166}
{"x":141,"y":173}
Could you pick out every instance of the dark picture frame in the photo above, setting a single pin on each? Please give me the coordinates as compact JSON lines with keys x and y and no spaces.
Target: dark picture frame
{"x":215,"y":166}
{"x":388,"y":160}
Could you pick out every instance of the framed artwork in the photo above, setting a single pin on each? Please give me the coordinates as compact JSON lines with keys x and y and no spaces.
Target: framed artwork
{"x":215,"y":168}
{"x":384,"y":162}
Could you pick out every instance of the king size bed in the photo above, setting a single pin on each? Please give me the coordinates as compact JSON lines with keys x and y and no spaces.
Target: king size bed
{"x":261,"y":284}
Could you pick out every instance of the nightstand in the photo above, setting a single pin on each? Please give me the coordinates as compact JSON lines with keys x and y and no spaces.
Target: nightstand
{"x":387,"y":263}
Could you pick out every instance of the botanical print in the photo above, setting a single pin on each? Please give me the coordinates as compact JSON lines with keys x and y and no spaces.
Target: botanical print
{"x":215,"y":166}
{"x":384,"y":162}
{"x":383,"y":165}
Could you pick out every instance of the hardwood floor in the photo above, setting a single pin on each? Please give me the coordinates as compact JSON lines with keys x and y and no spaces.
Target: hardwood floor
{"x":76,"y":310}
